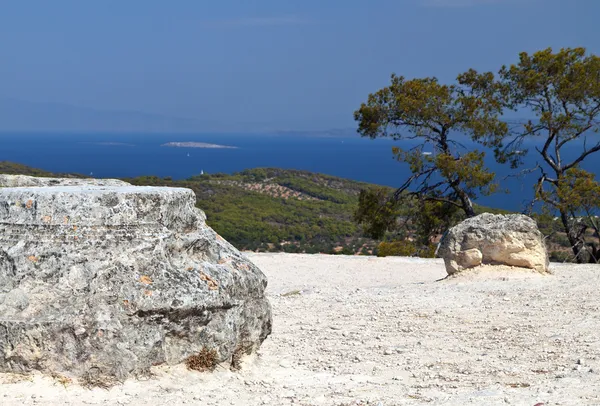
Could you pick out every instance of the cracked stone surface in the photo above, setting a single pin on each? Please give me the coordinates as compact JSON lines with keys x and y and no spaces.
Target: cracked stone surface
{"x":104,"y":282}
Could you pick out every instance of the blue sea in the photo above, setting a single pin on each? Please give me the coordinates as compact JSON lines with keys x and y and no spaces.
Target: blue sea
{"x":130,"y":155}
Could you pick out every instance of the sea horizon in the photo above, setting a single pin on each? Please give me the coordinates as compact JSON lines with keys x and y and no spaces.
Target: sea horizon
{"x":128,"y":155}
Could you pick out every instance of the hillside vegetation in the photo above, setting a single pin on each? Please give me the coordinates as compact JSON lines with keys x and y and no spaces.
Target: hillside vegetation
{"x":14,"y":168}
{"x":278,"y":210}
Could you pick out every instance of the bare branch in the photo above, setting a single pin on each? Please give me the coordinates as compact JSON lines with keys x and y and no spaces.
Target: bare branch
{"x":443,"y":200}
{"x":574,"y":136}
{"x":582,"y":157}
{"x":522,"y":173}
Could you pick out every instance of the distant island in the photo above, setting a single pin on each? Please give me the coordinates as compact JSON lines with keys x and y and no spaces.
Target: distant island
{"x":195,"y":145}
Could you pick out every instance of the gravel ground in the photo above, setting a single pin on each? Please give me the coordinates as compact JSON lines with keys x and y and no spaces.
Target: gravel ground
{"x":388,"y":331}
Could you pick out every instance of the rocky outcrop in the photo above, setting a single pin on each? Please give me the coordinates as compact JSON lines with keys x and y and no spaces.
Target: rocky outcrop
{"x":106,"y":282}
{"x":25,"y":181}
{"x":512,"y":240}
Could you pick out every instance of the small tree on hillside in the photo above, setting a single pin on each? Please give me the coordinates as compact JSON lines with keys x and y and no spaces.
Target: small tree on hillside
{"x":578,"y":194}
{"x":443,"y":170}
{"x":563,"y":91}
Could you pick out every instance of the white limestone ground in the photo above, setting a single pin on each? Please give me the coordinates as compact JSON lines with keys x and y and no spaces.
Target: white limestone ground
{"x":383,"y":331}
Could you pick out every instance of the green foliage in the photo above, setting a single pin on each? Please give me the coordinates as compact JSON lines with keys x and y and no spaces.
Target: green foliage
{"x":376,"y":211}
{"x":470,"y":169}
{"x":547,"y":222}
{"x":402,"y":248}
{"x":364,"y":251}
{"x":13,"y":168}
{"x":426,"y":108}
{"x":561,"y":256}
{"x":251,"y":217}
{"x":382,"y":215}
{"x":562,"y":89}
{"x":578,"y":194}
{"x":428,"y":251}
{"x":347,"y":251}
{"x":257,"y":175}
{"x":405,"y":248}
{"x":577,"y":191}
{"x":433,"y":113}
{"x":433,"y":218}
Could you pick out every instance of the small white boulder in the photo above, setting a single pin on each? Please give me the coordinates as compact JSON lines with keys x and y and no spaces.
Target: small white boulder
{"x":495,"y":239}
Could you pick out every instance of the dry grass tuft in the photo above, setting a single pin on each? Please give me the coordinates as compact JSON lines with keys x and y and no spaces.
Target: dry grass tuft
{"x":11,"y":377}
{"x":238,"y":356}
{"x":94,"y":379}
{"x":61,"y":379}
{"x":205,"y":360}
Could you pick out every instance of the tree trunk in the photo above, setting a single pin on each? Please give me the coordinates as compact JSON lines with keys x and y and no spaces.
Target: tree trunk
{"x":577,"y":245}
{"x":595,"y":254}
{"x":465,"y":202}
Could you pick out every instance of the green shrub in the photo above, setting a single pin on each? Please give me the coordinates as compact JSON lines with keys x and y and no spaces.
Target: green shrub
{"x":561,"y":256}
{"x":347,"y":251}
{"x":562,"y":240}
{"x":403,"y":248}
{"x":428,"y":251}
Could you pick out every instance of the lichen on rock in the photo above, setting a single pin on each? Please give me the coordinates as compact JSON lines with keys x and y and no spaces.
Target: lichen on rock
{"x":111,"y":280}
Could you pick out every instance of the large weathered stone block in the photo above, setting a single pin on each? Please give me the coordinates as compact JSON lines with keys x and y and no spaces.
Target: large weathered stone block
{"x":109,"y":281}
{"x":512,"y":240}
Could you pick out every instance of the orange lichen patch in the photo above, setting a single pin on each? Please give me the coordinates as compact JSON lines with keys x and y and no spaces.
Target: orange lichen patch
{"x":63,"y":380}
{"x":148,"y":292}
{"x":46,"y":219}
{"x":212,"y":284}
{"x":29,"y":204}
{"x":146,"y":280}
{"x":125,"y":302}
{"x":74,"y":228}
{"x":189,"y":268}
{"x":32,"y":258}
{"x":243,"y":267}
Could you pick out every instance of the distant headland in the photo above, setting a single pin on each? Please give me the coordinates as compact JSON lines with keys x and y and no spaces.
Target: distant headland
{"x":195,"y":145}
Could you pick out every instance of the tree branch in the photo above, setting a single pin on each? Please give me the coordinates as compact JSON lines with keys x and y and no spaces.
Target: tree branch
{"x":576,"y":135}
{"x":443,"y":200}
{"x":582,"y":157}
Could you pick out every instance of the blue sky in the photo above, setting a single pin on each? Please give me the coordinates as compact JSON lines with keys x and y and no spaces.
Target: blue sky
{"x":285,"y":64}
